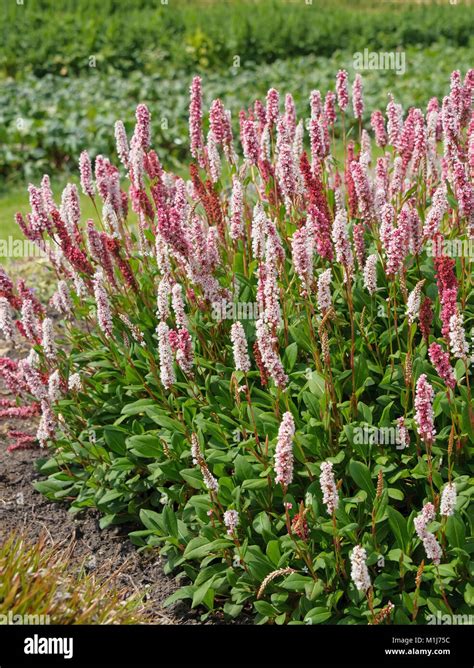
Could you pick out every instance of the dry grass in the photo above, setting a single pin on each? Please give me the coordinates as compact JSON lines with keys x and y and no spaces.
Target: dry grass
{"x":39,"y":579}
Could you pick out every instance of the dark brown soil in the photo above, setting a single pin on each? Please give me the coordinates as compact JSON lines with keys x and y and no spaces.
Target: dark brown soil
{"x":104,"y":551}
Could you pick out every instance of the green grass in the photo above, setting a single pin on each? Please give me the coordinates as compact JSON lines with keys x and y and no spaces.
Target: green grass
{"x":16,"y":199}
{"x":11,"y":202}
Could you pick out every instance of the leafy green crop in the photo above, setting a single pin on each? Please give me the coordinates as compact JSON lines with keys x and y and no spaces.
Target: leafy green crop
{"x":54,"y":118}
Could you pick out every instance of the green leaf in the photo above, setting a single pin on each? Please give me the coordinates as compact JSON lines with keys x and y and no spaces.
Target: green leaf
{"x":170,"y":522}
{"x":232,"y":610}
{"x":266,"y":609}
{"x":289,"y":356}
{"x":311,"y":403}
{"x":193,"y":477}
{"x":314,"y":590}
{"x":361,"y":475}
{"x":201,"y":592}
{"x":137,"y":407}
{"x":145,"y":445}
{"x":296,"y":582}
{"x":196,"y":548}
{"x":366,"y":412}
{"x":258,"y":483}
{"x":469,"y":594}
{"x":455,"y":531}
{"x":300,"y":335}
{"x":115,"y":439}
{"x":316,"y":384}
{"x":200,"y":547}
{"x":399,"y":529}
{"x":183,"y":592}
{"x":273,"y":551}
{"x":317,"y":616}
{"x":108,"y":497}
{"x":151,"y":520}
{"x":52,"y":485}
{"x":263,"y":526}
{"x":243,"y":468}
{"x":164,"y":420}
{"x":385,"y":417}
{"x":396,"y":494}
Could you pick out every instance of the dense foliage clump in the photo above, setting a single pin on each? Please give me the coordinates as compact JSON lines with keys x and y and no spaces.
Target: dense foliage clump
{"x":268,"y":375}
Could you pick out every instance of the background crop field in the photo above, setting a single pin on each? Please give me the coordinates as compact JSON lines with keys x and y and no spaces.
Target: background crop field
{"x":68,"y":69}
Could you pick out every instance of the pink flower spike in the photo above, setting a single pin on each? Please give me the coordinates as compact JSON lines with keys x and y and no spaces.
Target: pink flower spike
{"x":167,"y":374}
{"x":272,"y":110}
{"x":284,"y":450}
{"x":231,"y":521}
{"x":324,"y":291}
{"x":431,"y":545}
{"x":329,"y":488}
{"x":6,"y":319}
{"x":85,"y":168}
{"x":440,"y":360}
{"x":239,"y":342}
{"x":359,"y":572}
{"x":250,"y":142}
{"x":270,"y":359}
{"x":121,"y":143}
{"x":370,"y":274}
{"x":448,"y":500}
{"x":378,"y":126}
{"x":217,"y":121}
{"x":424,"y":417}
{"x":357,"y":97}
{"x":237,"y":228}
{"x":329,"y":108}
{"x":142,"y":129}
{"x":342,"y":91}
{"x":302,"y":247}
{"x":341,"y":242}
{"x":457,"y":336}
{"x":195,"y":120}
{"x":104,"y":315}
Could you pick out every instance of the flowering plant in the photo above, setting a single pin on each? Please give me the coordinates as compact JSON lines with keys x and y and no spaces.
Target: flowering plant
{"x":310,"y":465}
